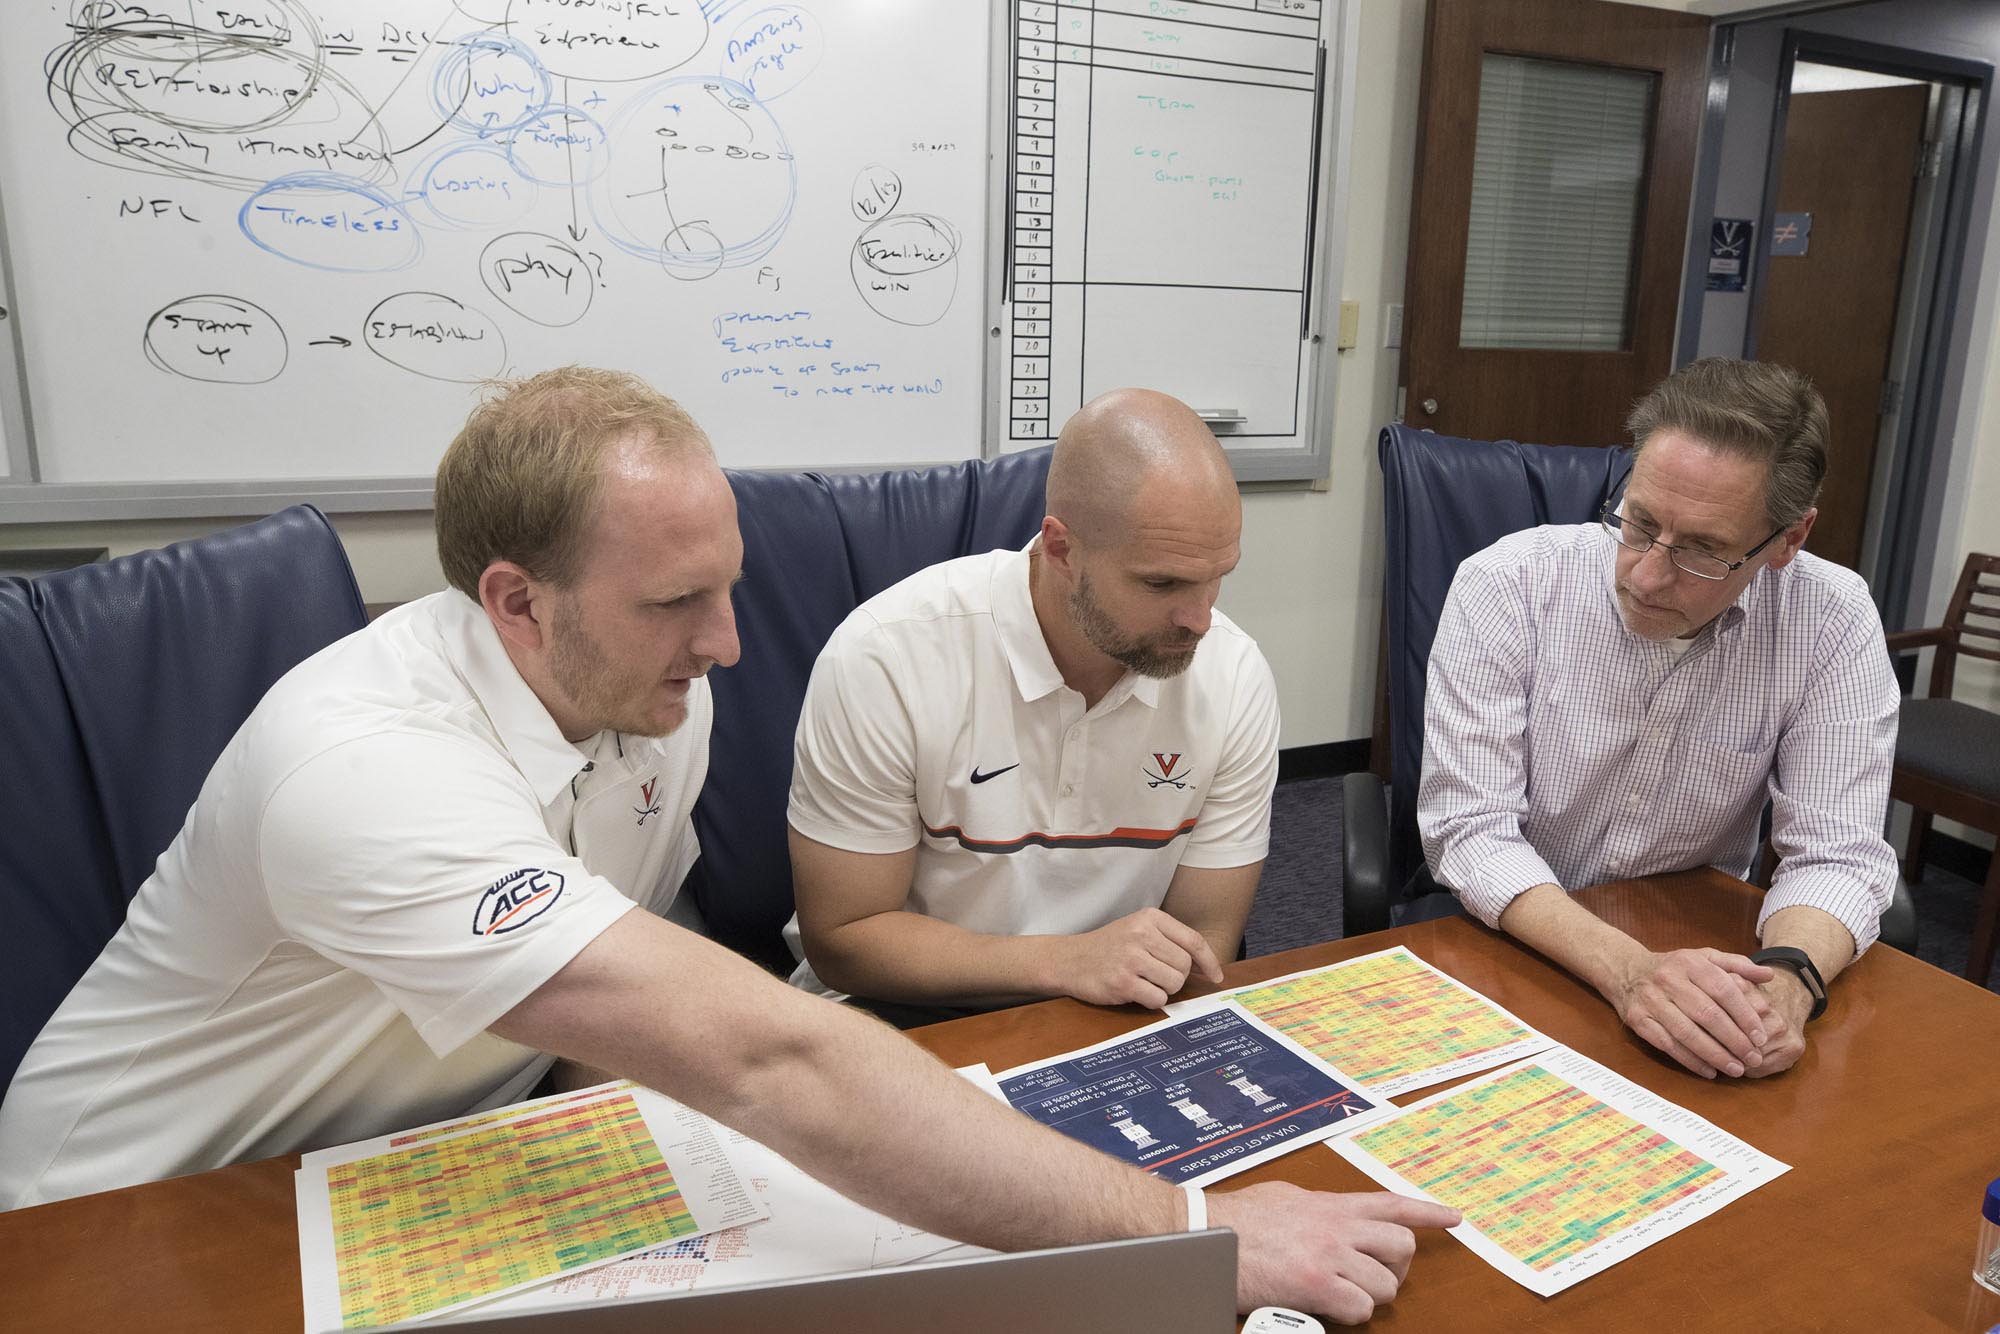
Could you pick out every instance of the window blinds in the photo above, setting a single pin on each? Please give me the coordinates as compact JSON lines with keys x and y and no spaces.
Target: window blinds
{"x":1558,"y":175}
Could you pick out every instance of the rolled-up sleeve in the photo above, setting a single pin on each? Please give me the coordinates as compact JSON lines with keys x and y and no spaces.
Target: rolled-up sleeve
{"x":1830,"y":784}
{"x":1473,"y":795}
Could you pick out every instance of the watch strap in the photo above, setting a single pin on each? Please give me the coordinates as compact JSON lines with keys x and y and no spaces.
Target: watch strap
{"x":1801,"y":965}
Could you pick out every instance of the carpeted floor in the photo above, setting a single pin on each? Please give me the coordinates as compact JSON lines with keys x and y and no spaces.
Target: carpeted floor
{"x":1299,"y":900}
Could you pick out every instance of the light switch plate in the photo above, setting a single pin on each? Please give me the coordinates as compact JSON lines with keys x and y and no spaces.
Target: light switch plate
{"x":1350,"y":325}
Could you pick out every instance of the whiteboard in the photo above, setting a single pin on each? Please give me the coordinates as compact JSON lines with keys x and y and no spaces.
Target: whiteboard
{"x":1163,"y":191}
{"x":285,"y":239}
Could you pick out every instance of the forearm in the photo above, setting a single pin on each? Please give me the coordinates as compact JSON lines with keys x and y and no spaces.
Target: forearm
{"x":1480,"y":854}
{"x":1225,"y":942}
{"x":1699,"y":1006}
{"x":908,"y":957}
{"x":887,"y":1125}
{"x":838,"y":1093}
{"x":1216,"y":902}
{"x":1547,"y":920}
{"x":1821,"y":935}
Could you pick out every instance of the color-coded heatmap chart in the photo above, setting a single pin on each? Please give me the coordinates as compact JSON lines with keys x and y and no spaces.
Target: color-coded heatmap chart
{"x":1389,"y":1019}
{"x":1560,"y":1167}
{"x":499,"y":1115}
{"x":411,"y":1225}
{"x":812,"y":1230}
{"x":420,"y":1229}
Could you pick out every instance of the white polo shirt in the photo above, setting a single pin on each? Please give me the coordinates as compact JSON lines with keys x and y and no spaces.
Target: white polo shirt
{"x":393,"y":851}
{"x":937,"y":719}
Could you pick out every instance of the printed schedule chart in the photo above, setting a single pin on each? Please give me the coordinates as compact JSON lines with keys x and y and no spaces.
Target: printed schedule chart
{"x":1389,"y":1018}
{"x":1162,"y":191}
{"x":1561,"y":1167}
{"x":424,"y":1221}
{"x":407,"y":1246}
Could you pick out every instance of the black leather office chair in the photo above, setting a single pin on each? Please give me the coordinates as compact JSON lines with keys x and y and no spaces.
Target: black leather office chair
{"x":120,"y":683}
{"x":1444,"y":499}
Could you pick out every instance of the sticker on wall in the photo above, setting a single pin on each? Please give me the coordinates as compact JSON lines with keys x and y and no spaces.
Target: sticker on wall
{"x":1728,"y":253}
{"x":1791,"y":233}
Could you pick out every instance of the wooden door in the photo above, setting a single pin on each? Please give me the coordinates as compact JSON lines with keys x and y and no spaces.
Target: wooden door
{"x":1537,"y":387}
{"x":1850,"y":159}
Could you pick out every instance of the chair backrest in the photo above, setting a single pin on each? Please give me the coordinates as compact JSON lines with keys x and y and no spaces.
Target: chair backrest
{"x":120,"y":683}
{"x":1971,"y":621}
{"x":814,"y":548}
{"x":1444,"y":499}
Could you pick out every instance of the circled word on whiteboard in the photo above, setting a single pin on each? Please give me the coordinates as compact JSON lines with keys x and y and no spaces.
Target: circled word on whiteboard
{"x":221,"y":339}
{"x":435,"y":336}
{"x":905,"y":265}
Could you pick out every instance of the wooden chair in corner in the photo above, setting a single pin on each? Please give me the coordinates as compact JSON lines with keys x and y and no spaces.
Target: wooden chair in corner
{"x":1948,"y":752}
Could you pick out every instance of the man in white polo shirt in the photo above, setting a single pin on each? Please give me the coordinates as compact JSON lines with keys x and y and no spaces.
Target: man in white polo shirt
{"x":415,"y":828}
{"x":408,"y":886}
{"x":1045,"y":772}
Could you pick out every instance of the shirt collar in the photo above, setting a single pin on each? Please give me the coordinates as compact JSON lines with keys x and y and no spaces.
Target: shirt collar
{"x":1035,"y":672}
{"x":1753,"y":596}
{"x":528,"y":734}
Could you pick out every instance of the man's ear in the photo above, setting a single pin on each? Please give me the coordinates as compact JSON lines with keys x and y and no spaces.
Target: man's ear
{"x":1794,"y":539}
{"x":1058,"y":547}
{"x":516,"y":602}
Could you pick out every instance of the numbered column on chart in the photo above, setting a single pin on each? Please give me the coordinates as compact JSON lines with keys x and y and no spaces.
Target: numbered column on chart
{"x":1162,"y":171}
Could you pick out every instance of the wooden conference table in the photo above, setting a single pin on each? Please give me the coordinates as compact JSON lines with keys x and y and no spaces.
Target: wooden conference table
{"x":1889,"y":1123}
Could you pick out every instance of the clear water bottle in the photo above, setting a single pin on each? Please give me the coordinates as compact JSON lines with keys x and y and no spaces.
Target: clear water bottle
{"x":1986,"y":1260}
{"x":1982,"y":1303}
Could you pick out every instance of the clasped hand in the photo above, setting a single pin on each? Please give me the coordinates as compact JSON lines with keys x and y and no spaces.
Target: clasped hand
{"x":1141,"y":959}
{"x":1712,"y":1011}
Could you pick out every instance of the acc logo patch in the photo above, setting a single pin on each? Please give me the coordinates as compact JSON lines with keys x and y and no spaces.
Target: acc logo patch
{"x":515,"y":900}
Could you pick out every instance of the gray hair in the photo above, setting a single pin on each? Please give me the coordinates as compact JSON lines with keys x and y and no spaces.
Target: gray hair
{"x":1752,"y":409}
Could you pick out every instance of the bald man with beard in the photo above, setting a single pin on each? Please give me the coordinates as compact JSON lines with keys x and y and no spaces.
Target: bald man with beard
{"x":1044,"y":772}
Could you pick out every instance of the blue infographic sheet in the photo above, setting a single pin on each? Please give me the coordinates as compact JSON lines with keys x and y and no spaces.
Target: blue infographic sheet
{"x":1196,"y":1099}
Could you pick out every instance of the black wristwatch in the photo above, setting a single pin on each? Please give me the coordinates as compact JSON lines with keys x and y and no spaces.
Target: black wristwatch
{"x":1784,"y":956}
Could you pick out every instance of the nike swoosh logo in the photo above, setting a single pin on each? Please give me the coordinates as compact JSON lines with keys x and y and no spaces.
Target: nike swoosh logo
{"x":978,"y":777}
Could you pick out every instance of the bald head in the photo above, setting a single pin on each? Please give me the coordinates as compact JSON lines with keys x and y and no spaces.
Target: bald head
{"x":1131,"y":448}
{"x":1143,"y":524}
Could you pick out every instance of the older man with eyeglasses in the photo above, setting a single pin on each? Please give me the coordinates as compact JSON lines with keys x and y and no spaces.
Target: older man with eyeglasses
{"x":1622,"y":698}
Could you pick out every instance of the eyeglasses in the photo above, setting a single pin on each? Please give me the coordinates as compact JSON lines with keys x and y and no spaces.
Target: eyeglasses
{"x":1628,"y":533}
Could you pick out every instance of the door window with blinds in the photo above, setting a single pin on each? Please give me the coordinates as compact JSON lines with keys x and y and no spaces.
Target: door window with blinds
{"x":1558,"y":181}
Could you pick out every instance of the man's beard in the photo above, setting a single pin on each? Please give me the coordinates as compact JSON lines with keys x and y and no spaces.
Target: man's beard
{"x":582,"y":670}
{"x":1153,"y":655}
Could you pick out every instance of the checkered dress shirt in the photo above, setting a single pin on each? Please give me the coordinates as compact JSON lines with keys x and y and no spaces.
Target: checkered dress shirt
{"x":1559,"y":747}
